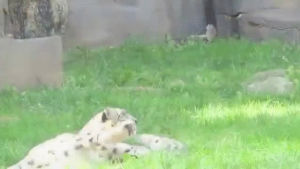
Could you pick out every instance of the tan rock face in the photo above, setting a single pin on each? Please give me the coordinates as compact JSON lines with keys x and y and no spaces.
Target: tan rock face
{"x":36,"y":18}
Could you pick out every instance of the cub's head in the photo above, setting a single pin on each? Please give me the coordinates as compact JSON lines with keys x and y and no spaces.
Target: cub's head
{"x":110,"y":125}
{"x":121,"y":123}
{"x":210,"y":27}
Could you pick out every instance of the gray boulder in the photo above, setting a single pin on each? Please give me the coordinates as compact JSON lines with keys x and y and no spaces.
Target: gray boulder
{"x":270,"y":82}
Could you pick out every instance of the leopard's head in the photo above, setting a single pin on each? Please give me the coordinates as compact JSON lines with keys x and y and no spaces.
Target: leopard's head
{"x":123,"y":125}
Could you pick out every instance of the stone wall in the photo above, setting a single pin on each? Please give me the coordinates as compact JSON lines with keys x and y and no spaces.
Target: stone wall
{"x":259,"y":19}
{"x":102,"y":22}
{"x":109,"y":22}
{"x":36,"y":18}
{"x":31,"y":62}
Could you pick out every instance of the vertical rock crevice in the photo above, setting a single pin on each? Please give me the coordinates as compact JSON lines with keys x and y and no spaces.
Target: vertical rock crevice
{"x":209,"y":11}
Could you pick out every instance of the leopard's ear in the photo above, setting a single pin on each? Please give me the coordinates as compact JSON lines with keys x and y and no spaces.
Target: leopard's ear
{"x":104,"y":117}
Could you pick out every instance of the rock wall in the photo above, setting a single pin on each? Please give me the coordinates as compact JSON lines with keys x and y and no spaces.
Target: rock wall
{"x":31,"y":62}
{"x":109,"y":22}
{"x":36,"y":18}
{"x":103,"y":22}
{"x":259,"y":19}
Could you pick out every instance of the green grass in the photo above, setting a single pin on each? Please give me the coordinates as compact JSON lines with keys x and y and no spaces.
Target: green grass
{"x":190,"y":92}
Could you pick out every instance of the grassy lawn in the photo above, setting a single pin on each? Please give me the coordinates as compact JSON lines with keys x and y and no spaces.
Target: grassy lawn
{"x":191,"y":92}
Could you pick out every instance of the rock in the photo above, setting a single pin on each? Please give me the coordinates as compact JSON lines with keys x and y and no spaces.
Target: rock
{"x":36,"y":18}
{"x":233,"y":7}
{"x":112,"y":22}
{"x":3,"y":7}
{"x":270,"y":82}
{"x":31,"y":62}
{"x":283,"y":24}
{"x":258,"y":19}
{"x":227,"y":26}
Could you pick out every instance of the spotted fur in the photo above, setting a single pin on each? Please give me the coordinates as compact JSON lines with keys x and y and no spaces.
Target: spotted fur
{"x":99,"y":140}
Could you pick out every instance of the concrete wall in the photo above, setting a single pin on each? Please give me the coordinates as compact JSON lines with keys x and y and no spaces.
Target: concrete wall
{"x":31,"y":62}
{"x":102,"y":22}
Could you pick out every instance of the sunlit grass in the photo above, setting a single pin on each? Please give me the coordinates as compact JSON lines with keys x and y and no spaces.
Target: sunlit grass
{"x":253,"y":109}
{"x":190,"y":92}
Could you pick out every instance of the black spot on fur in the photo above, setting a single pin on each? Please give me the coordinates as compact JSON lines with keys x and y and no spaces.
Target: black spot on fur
{"x":114,"y":151}
{"x":77,"y":147}
{"x":39,"y":166}
{"x":66,"y":153}
{"x":156,"y":141}
{"x":103,"y":148}
{"x":79,"y":139}
{"x":88,"y":134}
{"x":31,"y":162}
{"x":91,"y":140}
{"x":127,"y":151}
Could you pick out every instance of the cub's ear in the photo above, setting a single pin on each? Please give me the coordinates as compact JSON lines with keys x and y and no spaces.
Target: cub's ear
{"x":104,"y":117}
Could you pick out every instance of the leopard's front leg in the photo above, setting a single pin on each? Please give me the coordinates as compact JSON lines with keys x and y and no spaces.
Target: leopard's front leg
{"x":114,"y":152}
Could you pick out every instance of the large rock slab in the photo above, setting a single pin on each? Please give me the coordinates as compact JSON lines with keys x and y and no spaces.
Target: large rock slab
{"x":187,"y":17}
{"x":269,"y":82}
{"x":233,"y":7}
{"x":283,"y":24}
{"x":31,"y":62}
{"x":230,"y":12}
{"x":100,"y":22}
